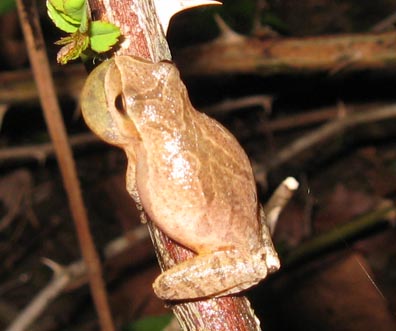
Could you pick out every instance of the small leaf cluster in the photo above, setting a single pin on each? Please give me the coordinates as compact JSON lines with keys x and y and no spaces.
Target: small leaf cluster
{"x":72,"y":16}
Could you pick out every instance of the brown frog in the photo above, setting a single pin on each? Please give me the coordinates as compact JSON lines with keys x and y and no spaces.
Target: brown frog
{"x":188,"y":173}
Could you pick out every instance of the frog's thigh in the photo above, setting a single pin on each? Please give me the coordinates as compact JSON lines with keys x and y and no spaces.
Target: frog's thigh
{"x":215,"y":274}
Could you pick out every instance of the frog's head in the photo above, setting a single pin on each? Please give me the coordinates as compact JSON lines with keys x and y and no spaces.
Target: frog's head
{"x":99,"y":105}
{"x":125,"y":94}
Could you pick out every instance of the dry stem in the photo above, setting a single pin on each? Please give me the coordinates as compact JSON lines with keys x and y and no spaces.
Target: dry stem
{"x":41,"y":152}
{"x":328,"y":130}
{"x":40,"y":65}
{"x":270,"y":56}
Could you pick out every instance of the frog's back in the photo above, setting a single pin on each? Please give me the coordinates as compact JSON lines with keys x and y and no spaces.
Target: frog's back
{"x":200,"y":188}
{"x":231,"y":184}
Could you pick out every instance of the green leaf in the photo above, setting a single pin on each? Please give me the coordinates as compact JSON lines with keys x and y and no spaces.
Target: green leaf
{"x":76,"y":9}
{"x":154,"y":323}
{"x":57,"y":4}
{"x":71,"y":8}
{"x":6,"y":6}
{"x":103,"y":36}
{"x":62,"y":21}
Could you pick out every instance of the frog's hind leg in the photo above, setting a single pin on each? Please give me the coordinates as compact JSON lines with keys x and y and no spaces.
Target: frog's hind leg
{"x":215,"y":274}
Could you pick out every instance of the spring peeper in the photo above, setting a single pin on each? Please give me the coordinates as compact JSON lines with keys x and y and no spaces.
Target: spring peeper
{"x":188,"y":173}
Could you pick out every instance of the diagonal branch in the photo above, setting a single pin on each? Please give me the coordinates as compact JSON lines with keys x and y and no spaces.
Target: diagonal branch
{"x":40,"y":66}
{"x":329,"y":130}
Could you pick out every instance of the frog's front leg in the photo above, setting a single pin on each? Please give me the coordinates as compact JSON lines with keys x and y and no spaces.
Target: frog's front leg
{"x":210,"y":275}
{"x":132,"y":188}
{"x":131,"y":183}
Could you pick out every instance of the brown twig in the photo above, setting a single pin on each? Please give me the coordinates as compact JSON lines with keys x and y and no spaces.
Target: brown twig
{"x":386,"y":24}
{"x":41,"y":152}
{"x":40,"y":302}
{"x":320,"y":115}
{"x":29,"y":18}
{"x":271,"y":56}
{"x":328,"y":130}
{"x":295,"y":121}
{"x":227,"y":106}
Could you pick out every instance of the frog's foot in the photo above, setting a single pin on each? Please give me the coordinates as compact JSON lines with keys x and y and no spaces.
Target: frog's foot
{"x":216,"y":274}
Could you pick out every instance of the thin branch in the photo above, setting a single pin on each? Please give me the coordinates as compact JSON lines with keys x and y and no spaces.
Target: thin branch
{"x":227,"y":106}
{"x":386,"y":24}
{"x":41,"y":152}
{"x":29,"y":18}
{"x":327,"y":131}
{"x":40,"y":302}
{"x":271,"y":56}
{"x":295,"y":121}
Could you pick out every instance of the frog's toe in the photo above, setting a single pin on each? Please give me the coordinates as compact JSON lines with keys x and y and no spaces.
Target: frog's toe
{"x":179,"y":285}
{"x":272,"y":262}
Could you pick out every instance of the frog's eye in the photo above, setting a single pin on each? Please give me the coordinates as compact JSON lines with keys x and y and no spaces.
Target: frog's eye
{"x":120,"y":104}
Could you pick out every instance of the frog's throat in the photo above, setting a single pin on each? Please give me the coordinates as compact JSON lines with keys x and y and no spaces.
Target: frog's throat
{"x":94,"y":105}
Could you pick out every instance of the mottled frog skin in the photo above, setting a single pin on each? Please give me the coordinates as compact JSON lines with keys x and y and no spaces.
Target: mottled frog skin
{"x":188,"y":173}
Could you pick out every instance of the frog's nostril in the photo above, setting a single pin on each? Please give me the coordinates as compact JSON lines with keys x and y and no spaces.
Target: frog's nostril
{"x":119,"y":103}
